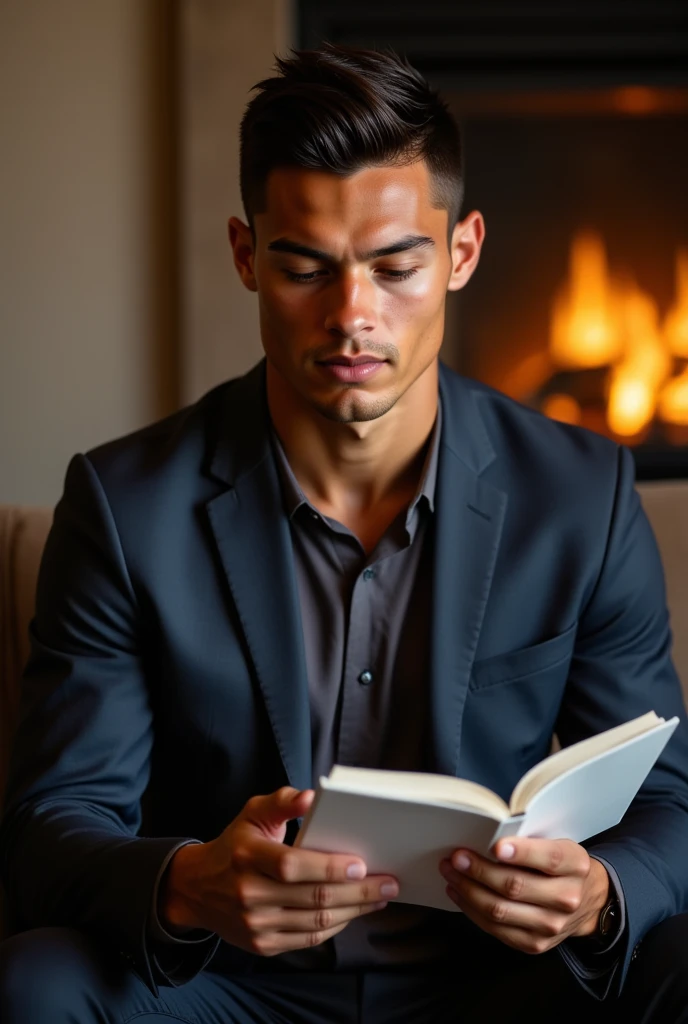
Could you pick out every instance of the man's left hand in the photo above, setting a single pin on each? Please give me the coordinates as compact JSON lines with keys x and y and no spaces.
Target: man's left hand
{"x":541,"y":892}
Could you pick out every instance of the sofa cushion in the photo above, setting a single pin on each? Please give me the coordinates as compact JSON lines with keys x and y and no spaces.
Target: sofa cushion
{"x":666,"y":505}
{"x":22,"y":536}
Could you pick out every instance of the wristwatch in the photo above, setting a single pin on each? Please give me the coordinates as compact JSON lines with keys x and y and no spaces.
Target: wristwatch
{"x":609,"y":921}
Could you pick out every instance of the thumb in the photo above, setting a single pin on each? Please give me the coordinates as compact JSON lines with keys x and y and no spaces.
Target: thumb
{"x":271,"y":813}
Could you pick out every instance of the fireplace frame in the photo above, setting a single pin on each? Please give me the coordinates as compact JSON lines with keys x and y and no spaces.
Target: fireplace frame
{"x":495,"y":44}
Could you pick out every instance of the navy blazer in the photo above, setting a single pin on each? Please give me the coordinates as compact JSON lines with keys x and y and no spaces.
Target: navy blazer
{"x":167,"y":652}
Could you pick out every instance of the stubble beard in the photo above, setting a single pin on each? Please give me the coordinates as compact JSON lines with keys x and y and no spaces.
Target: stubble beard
{"x":353,"y":408}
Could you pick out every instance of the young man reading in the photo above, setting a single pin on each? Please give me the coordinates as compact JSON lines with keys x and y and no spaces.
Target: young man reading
{"x":349,"y":555}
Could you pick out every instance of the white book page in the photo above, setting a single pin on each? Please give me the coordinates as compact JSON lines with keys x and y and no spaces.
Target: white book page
{"x":564,"y":760}
{"x":595,"y":795}
{"x":417,"y":787}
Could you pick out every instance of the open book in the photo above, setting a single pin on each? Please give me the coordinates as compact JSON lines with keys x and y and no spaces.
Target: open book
{"x":404,"y":823}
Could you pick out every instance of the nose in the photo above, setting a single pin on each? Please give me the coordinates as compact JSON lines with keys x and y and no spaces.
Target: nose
{"x":352,"y":311}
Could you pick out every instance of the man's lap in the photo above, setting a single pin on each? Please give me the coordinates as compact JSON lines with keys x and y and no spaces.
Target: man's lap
{"x":52,"y":975}
{"x":56,"y":975}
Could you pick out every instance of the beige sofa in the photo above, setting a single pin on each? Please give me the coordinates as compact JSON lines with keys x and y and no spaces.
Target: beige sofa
{"x":23,"y":532}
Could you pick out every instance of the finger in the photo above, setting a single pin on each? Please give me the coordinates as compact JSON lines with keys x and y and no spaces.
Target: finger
{"x":271,"y":813}
{"x":290,"y":864}
{"x":501,"y":917}
{"x":559,"y":893}
{"x":272,"y":943}
{"x":526,"y":940}
{"x":255,"y":890}
{"x":278,"y":919}
{"x":324,"y":895}
{"x":550,"y":856}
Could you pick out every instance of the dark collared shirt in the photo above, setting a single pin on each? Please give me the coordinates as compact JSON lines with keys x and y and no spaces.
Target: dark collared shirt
{"x":366,"y":631}
{"x":366,"y":628}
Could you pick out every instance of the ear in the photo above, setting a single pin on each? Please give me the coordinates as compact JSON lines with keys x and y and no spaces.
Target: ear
{"x":241,"y":241}
{"x":466,"y":243}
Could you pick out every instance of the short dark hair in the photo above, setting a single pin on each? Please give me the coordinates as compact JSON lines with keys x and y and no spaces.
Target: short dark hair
{"x":340,"y":109}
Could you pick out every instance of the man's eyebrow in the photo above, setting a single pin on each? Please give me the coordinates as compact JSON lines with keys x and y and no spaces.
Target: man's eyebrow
{"x":403,"y":245}
{"x":286,"y":245}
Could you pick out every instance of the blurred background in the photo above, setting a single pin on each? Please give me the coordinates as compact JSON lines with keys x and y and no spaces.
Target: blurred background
{"x":119,"y":119}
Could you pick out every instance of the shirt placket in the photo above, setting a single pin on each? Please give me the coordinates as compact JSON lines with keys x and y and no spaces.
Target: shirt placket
{"x":358,"y":675}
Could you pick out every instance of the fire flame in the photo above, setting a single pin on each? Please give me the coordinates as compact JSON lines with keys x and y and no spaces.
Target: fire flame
{"x":645,"y":365}
{"x":676,"y":326}
{"x":599,"y":322}
{"x":673,"y":401}
{"x":585,"y":330}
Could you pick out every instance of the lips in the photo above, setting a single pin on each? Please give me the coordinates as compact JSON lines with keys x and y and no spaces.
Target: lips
{"x":351,"y":369}
{"x":351,"y":360}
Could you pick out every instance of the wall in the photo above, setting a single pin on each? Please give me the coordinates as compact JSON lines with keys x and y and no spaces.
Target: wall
{"x":87,"y":329}
{"x":225,"y":48}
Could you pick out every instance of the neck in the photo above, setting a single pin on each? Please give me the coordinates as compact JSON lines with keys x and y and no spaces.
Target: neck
{"x":360,"y":473}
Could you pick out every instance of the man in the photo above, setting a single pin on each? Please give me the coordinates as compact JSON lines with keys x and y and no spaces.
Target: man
{"x":349,"y":555}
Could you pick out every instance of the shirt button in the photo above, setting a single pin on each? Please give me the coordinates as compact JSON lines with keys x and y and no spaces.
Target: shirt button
{"x":368,"y":574}
{"x":366,"y":678}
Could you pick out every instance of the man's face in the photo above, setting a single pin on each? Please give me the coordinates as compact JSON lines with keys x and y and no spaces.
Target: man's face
{"x":351,"y":275}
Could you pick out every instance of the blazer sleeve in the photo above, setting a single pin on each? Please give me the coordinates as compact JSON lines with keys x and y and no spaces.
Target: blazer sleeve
{"x":622,"y":668}
{"x":69,"y":848}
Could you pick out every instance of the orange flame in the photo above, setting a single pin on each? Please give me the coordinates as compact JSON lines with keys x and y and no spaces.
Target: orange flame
{"x":597,"y":322}
{"x":673,"y":401}
{"x":584,"y":328}
{"x":676,"y":324}
{"x":645,"y":365}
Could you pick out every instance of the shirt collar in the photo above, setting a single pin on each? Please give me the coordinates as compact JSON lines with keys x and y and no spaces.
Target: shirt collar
{"x":294,"y":497}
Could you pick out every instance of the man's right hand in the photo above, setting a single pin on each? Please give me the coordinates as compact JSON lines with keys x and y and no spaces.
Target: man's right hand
{"x":261,"y":895}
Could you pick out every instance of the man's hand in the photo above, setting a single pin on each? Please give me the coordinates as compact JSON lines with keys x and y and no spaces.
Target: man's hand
{"x":261,"y":895}
{"x":541,"y":892}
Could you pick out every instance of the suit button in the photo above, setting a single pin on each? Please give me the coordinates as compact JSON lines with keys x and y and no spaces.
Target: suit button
{"x":366,"y":678}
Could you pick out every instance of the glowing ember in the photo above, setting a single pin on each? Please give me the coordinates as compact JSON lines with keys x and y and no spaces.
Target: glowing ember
{"x":561,"y":407}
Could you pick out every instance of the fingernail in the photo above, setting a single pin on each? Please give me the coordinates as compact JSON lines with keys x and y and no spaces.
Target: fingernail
{"x":462,"y":862}
{"x":389,"y":889}
{"x":380,"y":906}
{"x":356,"y":871}
{"x":506,"y":851}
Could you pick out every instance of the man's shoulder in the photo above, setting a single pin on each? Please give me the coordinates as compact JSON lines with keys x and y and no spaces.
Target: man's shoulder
{"x":523,"y":438}
{"x":185,"y":440}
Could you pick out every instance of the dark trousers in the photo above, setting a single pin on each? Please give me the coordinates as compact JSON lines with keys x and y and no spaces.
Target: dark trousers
{"x":58,"y":976}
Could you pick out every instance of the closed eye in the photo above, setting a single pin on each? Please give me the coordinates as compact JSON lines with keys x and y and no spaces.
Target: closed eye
{"x":293,"y":275}
{"x":400,"y":275}
{"x":312,"y":275}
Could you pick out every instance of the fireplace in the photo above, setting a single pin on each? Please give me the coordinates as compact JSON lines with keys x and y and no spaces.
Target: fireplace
{"x":575,"y":127}
{"x":580,"y":305}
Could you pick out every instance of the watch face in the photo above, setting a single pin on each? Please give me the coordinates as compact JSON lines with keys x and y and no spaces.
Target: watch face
{"x":608,"y":918}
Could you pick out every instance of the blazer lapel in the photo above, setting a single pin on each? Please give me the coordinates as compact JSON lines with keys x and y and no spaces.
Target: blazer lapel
{"x":252,"y":537}
{"x":469,"y":517}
